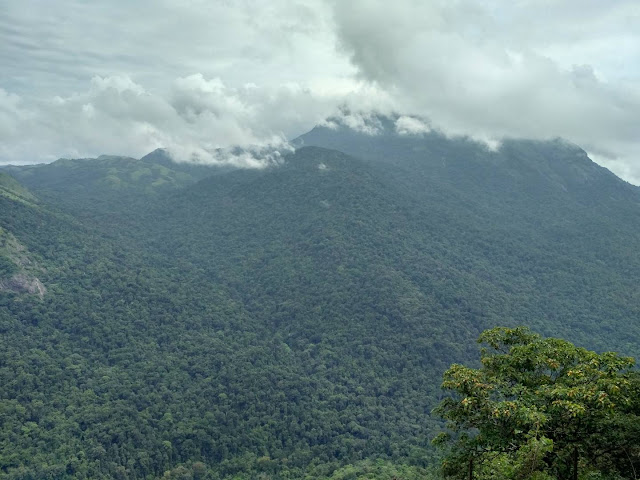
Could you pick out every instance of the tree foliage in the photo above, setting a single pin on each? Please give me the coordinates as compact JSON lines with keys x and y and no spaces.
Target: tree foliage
{"x":540,"y":408}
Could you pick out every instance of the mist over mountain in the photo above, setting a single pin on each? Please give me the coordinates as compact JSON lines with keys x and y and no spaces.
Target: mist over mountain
{"x":294,"y":320}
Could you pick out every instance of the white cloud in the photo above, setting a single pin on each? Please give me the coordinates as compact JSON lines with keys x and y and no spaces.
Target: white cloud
{"x":10,"y":111}
{"x":198,"y":120}
{"x":250,"y":157}
{"x":411,"y":126}
{"x":84,"y":78}
{"x":499,"y":72}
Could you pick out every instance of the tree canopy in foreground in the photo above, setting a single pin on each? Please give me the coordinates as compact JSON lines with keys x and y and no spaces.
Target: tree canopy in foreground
{"x":541,"y":408}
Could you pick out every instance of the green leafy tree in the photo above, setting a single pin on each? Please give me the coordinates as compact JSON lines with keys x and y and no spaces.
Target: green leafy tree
{"x":540,"y":408}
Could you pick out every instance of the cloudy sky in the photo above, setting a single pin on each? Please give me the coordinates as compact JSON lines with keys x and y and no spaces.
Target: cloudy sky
{"x":83,"y":78}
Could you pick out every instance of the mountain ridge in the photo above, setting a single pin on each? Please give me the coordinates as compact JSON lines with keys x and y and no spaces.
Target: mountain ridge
{"x":294,"y":321}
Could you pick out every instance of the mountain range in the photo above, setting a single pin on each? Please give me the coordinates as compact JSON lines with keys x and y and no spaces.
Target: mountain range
{"x":177,"y":320}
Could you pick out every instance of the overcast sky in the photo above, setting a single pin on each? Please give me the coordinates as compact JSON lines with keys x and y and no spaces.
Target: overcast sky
{"x":82,"y":78}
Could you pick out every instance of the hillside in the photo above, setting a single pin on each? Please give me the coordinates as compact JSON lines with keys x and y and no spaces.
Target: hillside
{"x":294,"y":321}
{"x":10,"y":188}
{"x":555,"y":226}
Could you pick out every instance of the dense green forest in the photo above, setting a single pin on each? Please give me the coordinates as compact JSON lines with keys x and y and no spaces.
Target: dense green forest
{"x":541,"y":408}
{"x":166,"y":320}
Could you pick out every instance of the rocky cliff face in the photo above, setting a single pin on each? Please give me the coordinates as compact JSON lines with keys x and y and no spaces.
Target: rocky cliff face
{"x":23,"y":283}
{"x":18,"y":268}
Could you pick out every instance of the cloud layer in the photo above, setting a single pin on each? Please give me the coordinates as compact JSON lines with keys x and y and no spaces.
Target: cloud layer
{"x":84,"y":78}
{"x":500,"y":72}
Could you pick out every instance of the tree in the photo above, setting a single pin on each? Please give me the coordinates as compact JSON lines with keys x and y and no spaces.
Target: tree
{"x":540,"y":408}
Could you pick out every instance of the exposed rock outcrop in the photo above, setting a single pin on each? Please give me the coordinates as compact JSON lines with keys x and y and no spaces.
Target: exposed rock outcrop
{"x":23,"y":283}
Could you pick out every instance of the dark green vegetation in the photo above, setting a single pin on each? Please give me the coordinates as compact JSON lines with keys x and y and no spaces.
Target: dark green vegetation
{"x":544,"y":409}
{"x":294,"y":321}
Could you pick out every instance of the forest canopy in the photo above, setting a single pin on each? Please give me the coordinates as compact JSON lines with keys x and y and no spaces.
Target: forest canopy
{"x":166,"y":320}
{"x":541,"y":408}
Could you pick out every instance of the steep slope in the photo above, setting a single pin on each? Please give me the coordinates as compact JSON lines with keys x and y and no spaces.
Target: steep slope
{"x":291,"y":320}
{"x":374,"y":289}
{"x":550,"y":261}
{"x":542,"y":214}
{"x":19,"y":270}
{"x":135,"y":362}
{"x":516,"y":174}
{"x":90,"y":370}
{"x":11,"y":188}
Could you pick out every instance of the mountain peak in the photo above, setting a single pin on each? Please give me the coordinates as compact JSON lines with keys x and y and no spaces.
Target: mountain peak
{"x":159,"y":156}
{"x":407,"y":145}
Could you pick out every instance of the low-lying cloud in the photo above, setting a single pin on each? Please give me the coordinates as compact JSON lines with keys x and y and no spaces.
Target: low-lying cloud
{"x":489,"y":73}
{"x":196,"y":122}
{"x":199,"y":77}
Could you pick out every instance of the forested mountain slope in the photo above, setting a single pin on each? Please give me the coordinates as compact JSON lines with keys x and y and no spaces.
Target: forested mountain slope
{"x":95,"y":188}
{"x":18,"y":268}
{"x":135,"y":362}
{"x":296,"y":319}
{"x":542,"y":213}
{"x":532,"y":178}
